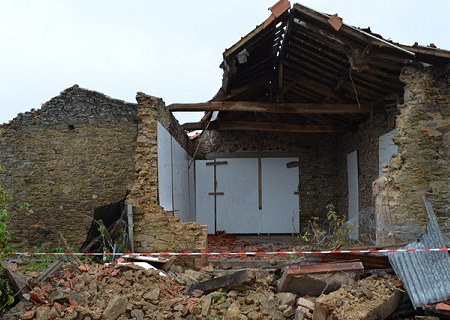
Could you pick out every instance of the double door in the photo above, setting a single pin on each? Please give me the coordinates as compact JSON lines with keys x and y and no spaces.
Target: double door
{"x":247,"y":195}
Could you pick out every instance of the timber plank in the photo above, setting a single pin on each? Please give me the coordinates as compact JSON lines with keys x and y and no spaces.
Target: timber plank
{"x":236,"y":281}
{"x":297,"y":108}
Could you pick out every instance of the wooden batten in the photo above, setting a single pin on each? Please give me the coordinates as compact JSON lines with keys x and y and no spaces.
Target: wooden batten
{"x":264,"y":126}
{"x":298,"y":108}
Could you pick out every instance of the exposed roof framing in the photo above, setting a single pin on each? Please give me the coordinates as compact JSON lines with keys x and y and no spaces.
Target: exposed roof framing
{"x":305,"y":71}
{"x":293,"y":107}
{"x":264,"y":126}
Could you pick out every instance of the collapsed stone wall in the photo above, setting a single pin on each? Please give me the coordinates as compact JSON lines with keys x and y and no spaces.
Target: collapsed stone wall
{"x":154,"y":230}
{"x":65,"y":159}
{"x":366,"y":142}
{"x":317,"y":153}
{"x":423,"y":165}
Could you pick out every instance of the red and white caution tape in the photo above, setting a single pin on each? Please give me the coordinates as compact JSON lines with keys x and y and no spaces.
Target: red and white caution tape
{"x":251,"y":253}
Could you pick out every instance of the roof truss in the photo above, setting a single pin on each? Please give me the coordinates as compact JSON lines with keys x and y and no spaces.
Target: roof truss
{"x":298,"y":108}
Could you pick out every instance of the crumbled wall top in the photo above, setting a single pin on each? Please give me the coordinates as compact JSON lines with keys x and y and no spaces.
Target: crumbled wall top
{"x":80,"y":106}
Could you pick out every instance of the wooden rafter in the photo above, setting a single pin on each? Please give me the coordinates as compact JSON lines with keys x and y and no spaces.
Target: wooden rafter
{"x":265,"y":126}
{"x":298,"y":108}
{"x":281,"y":58}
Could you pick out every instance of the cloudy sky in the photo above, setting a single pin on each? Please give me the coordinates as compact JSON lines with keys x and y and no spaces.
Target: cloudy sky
{"x":170,"y":49}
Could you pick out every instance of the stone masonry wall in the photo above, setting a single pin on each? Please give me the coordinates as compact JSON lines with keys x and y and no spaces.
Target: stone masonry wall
{"x":64,"y":160}
{"x":317,"y":153}
{"x":365,"y":142}
{"x":423,"y":165}
{"x":153,"y":229}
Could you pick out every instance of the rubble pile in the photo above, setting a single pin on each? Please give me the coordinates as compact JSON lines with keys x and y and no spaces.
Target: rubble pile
{"x":132,"y":292}
{"x":375,"y":297}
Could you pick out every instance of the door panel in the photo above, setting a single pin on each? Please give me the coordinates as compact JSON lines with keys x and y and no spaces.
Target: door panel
{"x":280,"y":205}
{"x":204,"y":203}
{"x":180,"y":176}
{"x":165,"y":168}
{"x":236,"y":200}
{"x":353,"y":194}
{"x":237,"y":209}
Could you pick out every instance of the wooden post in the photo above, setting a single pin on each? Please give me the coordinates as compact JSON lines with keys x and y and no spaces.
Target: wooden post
{"x":130,"y":226}
{"x":215,"y":193}
{"x":259,"y":177}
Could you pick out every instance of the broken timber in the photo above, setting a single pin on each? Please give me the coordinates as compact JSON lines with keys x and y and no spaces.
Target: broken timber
{"x":315,"y":279}
{"x":18,"y":282}
{"x":236,"y":281}
{"x":112,"y":233}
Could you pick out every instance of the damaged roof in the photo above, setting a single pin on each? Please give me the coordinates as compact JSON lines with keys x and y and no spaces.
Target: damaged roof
{"x":305,"y":71}
{"x":425,"y":275}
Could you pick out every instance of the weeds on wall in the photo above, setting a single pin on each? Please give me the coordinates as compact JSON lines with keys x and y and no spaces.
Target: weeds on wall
{"x":117,"y":245}
{"x":6,"y":297}
{"x":330,"y":236}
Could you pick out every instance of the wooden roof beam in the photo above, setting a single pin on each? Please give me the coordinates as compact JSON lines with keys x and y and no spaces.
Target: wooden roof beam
{"x":298,"y":108}
{"x":265,"y":126}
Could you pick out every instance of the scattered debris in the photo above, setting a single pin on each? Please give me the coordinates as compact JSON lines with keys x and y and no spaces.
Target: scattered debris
{"x":236,"y":281}
{"x":316,"y":279}
{"x":18,"y":282}
{"x":251,"y":287}
{"x":370,"y":298}
{"x":425,"y":275}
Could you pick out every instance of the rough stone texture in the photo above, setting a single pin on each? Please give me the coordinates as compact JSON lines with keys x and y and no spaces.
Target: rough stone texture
{"x":317,"y":153}
{"x":66,"y":159}
{"x":423,"y":165}
{"x":116,"y":307}
{"x":365,"y":142}
{"x":367,"y":299}
{"x":159,"y":232}
{"x":83,"y":150}
{"x":123,"y":295}
{"x":153,"y":229}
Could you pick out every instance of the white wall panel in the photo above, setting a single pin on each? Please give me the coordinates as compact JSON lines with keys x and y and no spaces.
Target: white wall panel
{"x":353,"y":194}
{"x":387,"y":148}
{"x":180,"y":178}
{"x":175,"y":181}
{"x":164,"y":168}
{"x":237,"y":209}
{"x":279,"y":203}
{"x":192,"y":191}
{"x":204,"y":203}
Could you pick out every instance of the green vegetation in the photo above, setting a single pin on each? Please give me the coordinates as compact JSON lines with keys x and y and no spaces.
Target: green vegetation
{"x":336,"y":234}
{"x":6,"y":298}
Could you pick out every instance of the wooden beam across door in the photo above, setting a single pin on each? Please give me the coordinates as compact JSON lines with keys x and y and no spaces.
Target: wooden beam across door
{"x":266,"y":126}
{"x":298,"y":108}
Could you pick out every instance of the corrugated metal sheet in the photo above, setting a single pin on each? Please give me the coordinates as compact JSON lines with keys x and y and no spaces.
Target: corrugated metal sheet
{"x":425,"y":275}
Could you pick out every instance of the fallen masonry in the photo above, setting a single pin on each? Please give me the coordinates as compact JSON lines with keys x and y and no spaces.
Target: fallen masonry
{"x":137,"y":290}
{"x":143,"y":287}
{"x":315,"y":279}
{"x":370,"y":298}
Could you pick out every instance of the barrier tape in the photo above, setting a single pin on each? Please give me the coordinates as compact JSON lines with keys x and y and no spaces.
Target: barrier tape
{"x":253,"y":253}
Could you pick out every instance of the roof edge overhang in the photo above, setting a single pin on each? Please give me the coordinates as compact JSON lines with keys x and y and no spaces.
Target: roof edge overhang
{"x":278,"y":12}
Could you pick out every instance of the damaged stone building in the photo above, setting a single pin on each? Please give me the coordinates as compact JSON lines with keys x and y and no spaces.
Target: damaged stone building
{"x":311,"y":112}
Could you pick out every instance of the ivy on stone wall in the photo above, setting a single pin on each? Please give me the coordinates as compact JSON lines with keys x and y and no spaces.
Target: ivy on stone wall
{"x":4,"y":218}
{"x":6,"y":299}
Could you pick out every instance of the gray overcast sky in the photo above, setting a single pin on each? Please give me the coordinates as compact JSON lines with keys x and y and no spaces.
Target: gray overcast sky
{"x":170,"y":49}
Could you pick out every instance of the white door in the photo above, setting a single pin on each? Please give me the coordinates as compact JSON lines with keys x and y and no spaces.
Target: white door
{"x":237,"y":208}
{"x":279,"y":203}
{"x":233,"y":206}
{"x":204,"y":202}
{"x":353,"y":194}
